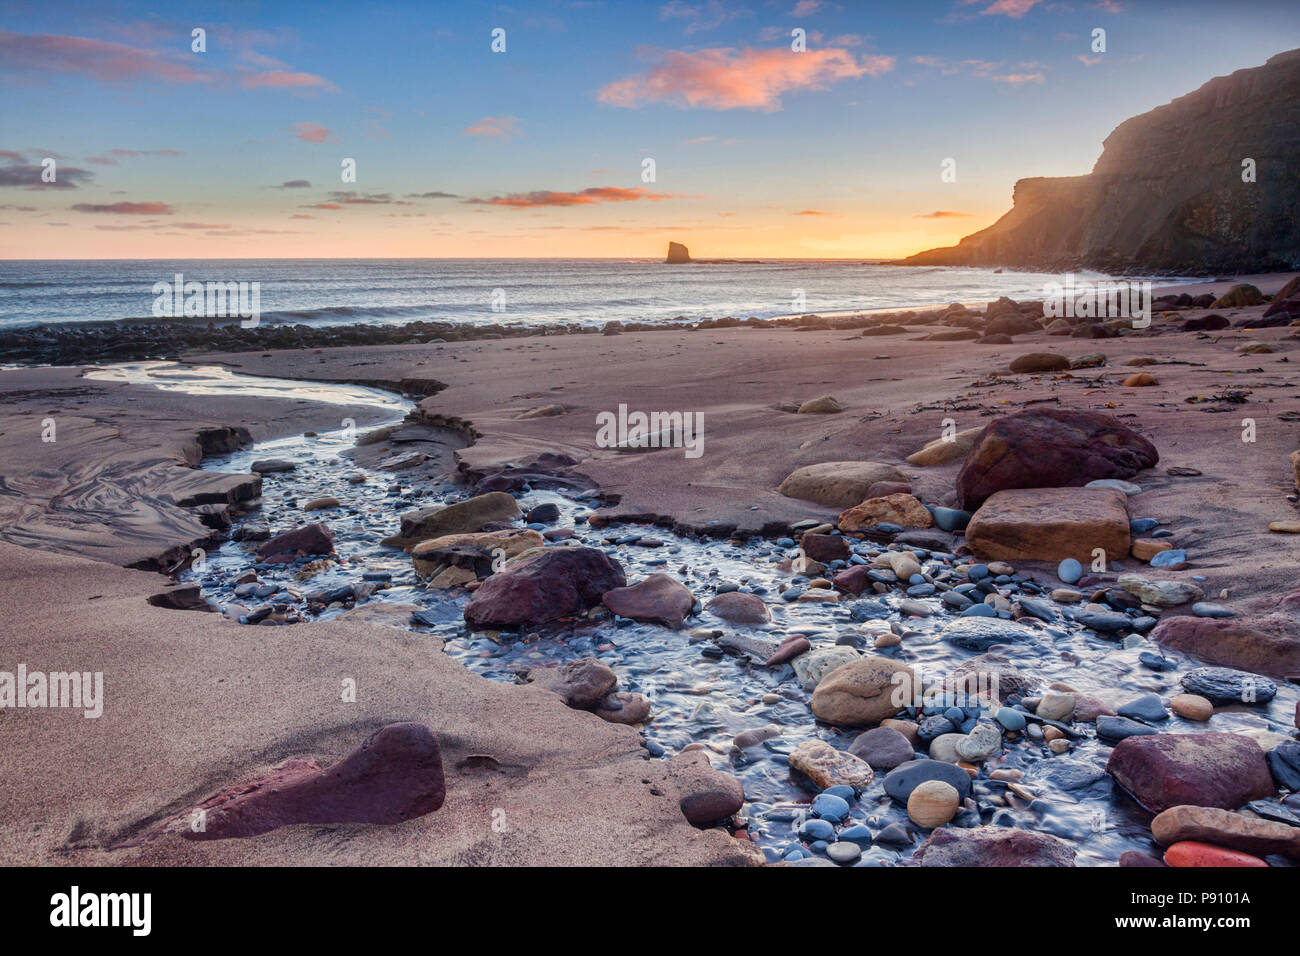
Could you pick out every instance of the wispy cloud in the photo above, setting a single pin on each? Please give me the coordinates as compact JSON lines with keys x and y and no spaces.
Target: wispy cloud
{"x":585,"y":197}
{"x":494,"y":127}
{"x":1007,"y":8}
{"x":313,"y":133}
{"x":126,"y":208}
{"x":942,"y":214}
{"x":285,"y":79}
{"x":725,"y":78}
{"x":708,"y":15}
{"x":45,"y":53}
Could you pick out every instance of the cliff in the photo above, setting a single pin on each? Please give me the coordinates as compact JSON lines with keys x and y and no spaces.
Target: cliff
{"x":1167,"y":194}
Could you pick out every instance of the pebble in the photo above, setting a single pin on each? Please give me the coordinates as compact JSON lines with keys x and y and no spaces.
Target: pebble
{"x":1147,"y":708}
{"x":1118,"y":728}
{"x":1227,"y":685}
{"x":1191,"y":706}
{"x":1055,"y":706}
{"x":1069,"y":571}
{"x":1206,"y":609}
{"x":1012,"y":720}
{"x":1117,"y":483}
{"x":982,"y":742}
{"x":827,"y":806}
{"x":844,"y":851}
{"x":816,"y":829}
{"x":1173,"y":558}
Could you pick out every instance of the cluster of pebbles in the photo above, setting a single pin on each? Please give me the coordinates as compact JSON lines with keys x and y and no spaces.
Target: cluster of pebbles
{"x":1027,"y":752}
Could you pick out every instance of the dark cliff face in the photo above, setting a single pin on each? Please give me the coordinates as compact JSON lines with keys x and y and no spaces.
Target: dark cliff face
{"x":1167,"y":193}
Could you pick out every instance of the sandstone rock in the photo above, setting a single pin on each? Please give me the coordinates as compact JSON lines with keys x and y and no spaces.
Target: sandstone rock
{"x":993,"y":846}
{"x":624,"y":707}
{"x":1051,"y":524}
{"x":788,"y":650}
{"x":943,"y":450}
{"x":840,"y":484}
{"x":583,"y":683}
{"x":1144,"y":549}
{"x":556,"y":583}
{"x":1240,"y":296}
{"x":1266,"y":645}
{"x":658,"y":598}
{"x":737,"y":607}
{"x":827,"y":767}
{"x":706,"y":795}
{"x":1050,"y":448}
{"x":463,"y":517}
{"x":1225,"y":828}
{"x":1191,"y":706}
{"x":677,"y":254}
{"x":825,"y":405}
{"x":1205,"y":770}
{"x":903,"y":510}
{"x":432,"y":556}
{"x":396,"y":775}
{"x":1040,"y":362}
{"x":932,"y":803}
{"x":1160,"y":593}
{"x":863,"y":692}
{"x":1140,"y":380}
{"x":309,"y":539}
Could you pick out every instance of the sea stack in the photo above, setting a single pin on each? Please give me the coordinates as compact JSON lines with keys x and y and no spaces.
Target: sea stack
{"x":677,"y":253}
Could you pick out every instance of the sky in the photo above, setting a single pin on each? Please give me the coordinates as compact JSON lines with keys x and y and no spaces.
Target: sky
{"x":601,"y":129}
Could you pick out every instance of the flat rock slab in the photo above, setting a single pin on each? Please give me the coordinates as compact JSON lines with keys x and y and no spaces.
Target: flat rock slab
{"x":993,"y":846}
{"x":1051,"y":524}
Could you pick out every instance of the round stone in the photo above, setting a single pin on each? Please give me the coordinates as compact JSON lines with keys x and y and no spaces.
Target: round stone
{"x":1191,"y":706}
{"x":1069,"y":571}
{"x":933,"y":803}
{"x":844,"y":851}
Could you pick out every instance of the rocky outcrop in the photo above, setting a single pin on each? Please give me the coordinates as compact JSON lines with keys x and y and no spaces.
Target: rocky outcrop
{"x":1266,"y":645}
{"x":1167,"y":193}
{"x":677,"y":253}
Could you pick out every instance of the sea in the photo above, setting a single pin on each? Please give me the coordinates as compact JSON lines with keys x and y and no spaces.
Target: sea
{"x":534,"y":292}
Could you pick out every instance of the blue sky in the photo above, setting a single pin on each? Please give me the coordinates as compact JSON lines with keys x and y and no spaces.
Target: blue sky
{"x":759,"y":150}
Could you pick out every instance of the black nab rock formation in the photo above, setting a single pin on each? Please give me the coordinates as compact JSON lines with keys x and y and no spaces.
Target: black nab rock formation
{"x":1173,"y":190}
{"x":678,"y":253}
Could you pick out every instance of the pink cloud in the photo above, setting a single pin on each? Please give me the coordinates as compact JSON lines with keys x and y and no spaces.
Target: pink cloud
{"x":283,"y":79}
{"x":725,"y":78}
{"x":494,"y":127}
{"x":586,"y":197}
{"x":46,"y":53}
{"x":1009,"y":8}
{"x":313,"y":133}
{"x":1017,"y":79}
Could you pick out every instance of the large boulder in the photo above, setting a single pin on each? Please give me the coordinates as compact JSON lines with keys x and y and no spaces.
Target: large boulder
{"x":463,"y":517}
{"x":559,"y":582}
{"x":1266,"y":645}
{"x":993,"y":846}
{"x":840,"y":484}
{"x":487,"y":548}
{"x":737,"y":607}
{"x":864,"y":691}
{"x":906,"y":511}
{"x":1050,"y":448}
{"x":1204,"y":770}
{"x":1050,"y":524}
{"x":583,"y":683}
{"x":1240,"y":296}
{"x":658,"y":598}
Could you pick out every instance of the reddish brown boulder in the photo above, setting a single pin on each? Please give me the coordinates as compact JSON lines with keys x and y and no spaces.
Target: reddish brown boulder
{"x":1203,"y":770}
{"x":993,"y":846}
{"x":1267,"y":645}
{"x":1225,"y":828}
{"x":658,"y":598}
{"x":825,"y":547}
{"x":906,"y":511}
{"x":396,"y":775}
{"x":584,"y":684}
{"x":309,"y":539}
{"x":738,"y":607}
{"x":789,"y":649}
{"x":853,"y":580}
{"x":1050,"y":448}
{"x":1050,"y":524}
{"x":560,"y":582}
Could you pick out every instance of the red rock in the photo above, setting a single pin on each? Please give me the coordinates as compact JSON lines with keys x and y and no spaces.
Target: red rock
{"x":584,"y":683}
{"x":825,"y":547}
{"x":790,"y":648}
{"x":853,"y":580}
{"x":309,"y":539}
{"x":1204,"y":770}
{"x":558,"y":583}
{"x":184,"y":597}
{"x":993,"y":846}
{"x":1236,"y":831}
{"x":1050,"y":448}
{"x":882,"y":488}
{"x":706,"y":795}
{"x":739,"y":608}
{"x":658,"y":598}
{"x":1266,"y":645}
{"x":396,"y":775}
{"x":1191,"y":853}
{"x":1050,"y":524}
